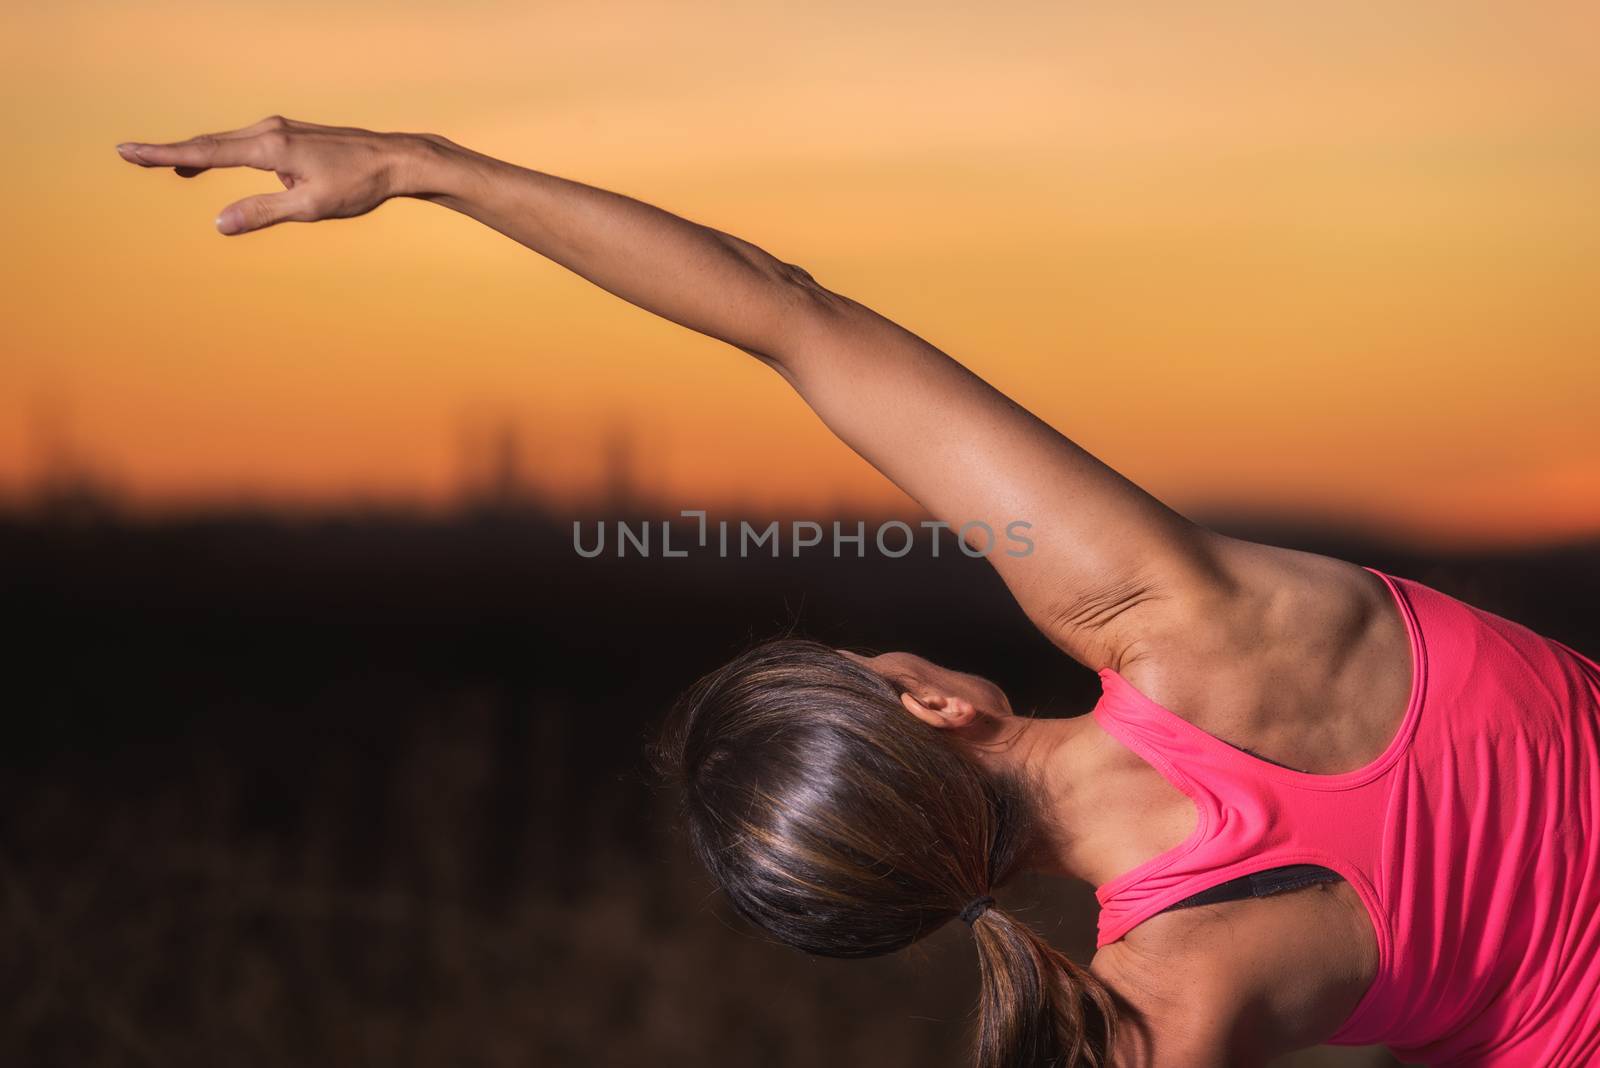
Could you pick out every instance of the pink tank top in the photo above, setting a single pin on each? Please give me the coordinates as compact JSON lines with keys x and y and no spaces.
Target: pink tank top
{"x":1473,"y":840}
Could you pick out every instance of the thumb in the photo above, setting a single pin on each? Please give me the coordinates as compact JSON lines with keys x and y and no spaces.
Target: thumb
{"x":258,"y":212}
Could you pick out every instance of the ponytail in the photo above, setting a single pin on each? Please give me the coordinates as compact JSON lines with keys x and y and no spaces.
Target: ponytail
{"x":843,"y":826}
{"x":1037,"y":1009}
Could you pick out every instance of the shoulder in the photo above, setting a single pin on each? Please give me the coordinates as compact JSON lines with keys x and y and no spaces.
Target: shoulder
{"x":1255,"y":610}
{"x":1179,"y":993}
{"x":1157,"y":1032}
{"x":1246,"y":587}
{"x":1237,"y":983}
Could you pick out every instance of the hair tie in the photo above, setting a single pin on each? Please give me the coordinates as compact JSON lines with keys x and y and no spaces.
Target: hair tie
{"x":975,"y":908}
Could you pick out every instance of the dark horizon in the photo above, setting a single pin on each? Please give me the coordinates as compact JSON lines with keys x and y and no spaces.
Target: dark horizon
{"x":351,"y":786}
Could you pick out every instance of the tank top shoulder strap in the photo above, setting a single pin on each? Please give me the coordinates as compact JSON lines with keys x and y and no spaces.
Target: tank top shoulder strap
{"x":1251,"y":814}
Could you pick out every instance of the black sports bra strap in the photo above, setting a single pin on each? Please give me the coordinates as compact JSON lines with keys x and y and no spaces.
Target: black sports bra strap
{"x":1261,"y":884}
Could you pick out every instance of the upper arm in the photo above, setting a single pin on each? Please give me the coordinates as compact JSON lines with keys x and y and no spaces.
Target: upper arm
{"x":1098,"y":547}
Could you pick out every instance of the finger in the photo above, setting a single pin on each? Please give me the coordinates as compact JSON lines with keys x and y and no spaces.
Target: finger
{"x":271,"y":122}
{"x":190,"y":172}
{"x":259,"y":212}
{"x":263,"y":151}
{"x":134,"y":151}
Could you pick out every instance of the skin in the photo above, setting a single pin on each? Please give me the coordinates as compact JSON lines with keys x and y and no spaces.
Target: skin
{"x":1236,"y":983}
{"x":1301,"y":658}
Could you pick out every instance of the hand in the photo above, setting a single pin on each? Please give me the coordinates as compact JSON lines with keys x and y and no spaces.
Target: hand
{"x":328,"y":172}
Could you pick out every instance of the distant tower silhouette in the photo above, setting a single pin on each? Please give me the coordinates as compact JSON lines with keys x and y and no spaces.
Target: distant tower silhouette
{"x":66,"y":482}
{"x":504,"y":485}
{"x":621,"y":492}
{"x":494,"y":467}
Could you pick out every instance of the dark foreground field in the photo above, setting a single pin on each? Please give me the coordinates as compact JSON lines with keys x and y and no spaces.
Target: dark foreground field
{"x":349,"y":791}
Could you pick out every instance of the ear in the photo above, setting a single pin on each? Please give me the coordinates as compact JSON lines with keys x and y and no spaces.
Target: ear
{"x":939,"y":710}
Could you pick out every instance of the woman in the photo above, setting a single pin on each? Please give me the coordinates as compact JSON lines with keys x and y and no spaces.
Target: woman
{"x":1318,"y":803}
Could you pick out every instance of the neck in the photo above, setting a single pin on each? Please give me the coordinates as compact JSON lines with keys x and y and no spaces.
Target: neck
{"x":1079,"y":774}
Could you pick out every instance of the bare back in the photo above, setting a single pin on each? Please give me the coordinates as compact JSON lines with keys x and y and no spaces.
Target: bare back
{"x":1304,"y":662}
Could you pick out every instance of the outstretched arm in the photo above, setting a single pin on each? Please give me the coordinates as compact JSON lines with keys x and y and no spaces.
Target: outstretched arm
{"x":1109,"y":562}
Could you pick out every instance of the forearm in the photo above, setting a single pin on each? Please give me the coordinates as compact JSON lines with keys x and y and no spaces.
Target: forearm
{"x":699,"y":277}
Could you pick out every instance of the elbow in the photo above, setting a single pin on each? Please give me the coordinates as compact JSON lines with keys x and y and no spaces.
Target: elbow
{"x":804,"y":311}
{"x":805,"y":291}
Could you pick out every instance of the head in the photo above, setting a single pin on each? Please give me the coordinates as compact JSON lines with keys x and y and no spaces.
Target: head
{"x":842,"y":804}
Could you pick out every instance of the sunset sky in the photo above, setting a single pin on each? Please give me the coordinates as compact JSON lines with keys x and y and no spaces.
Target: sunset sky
{"x":1340,"y":258}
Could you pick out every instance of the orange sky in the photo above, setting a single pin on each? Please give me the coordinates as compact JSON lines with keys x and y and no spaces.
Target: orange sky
{"x":1342,"y":259}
